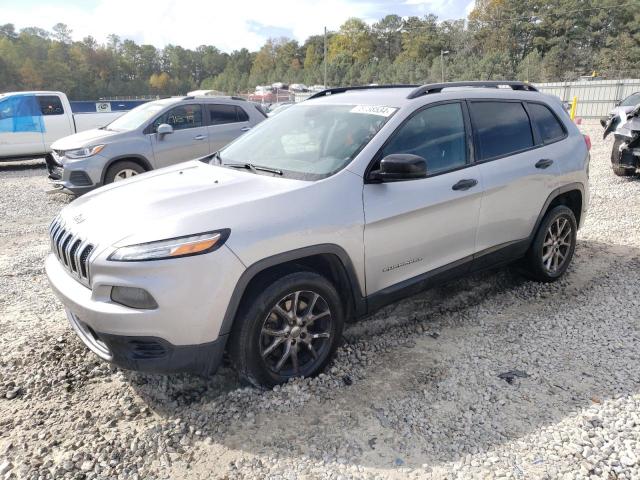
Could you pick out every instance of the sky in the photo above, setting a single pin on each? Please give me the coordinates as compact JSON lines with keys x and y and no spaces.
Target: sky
{"x":229,"y":25}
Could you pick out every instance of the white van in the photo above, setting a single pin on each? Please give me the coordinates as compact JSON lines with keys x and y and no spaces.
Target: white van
{"x":31,"y":121}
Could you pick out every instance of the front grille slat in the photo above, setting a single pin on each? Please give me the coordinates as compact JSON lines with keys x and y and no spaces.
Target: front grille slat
{"x":71,"y":250}
{"x":72,"y":255}
{"x":64,"y":244}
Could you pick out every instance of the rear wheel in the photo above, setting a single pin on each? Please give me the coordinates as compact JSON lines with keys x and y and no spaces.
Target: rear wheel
{"x":553,"y":246}
{"x":288,"y":328}
{"x":122,"y":170}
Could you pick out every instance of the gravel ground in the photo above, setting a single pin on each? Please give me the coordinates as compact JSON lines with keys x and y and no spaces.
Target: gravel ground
{"x":416,"y":390}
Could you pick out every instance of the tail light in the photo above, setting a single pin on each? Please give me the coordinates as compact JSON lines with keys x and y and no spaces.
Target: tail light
{"x":587,"y":140}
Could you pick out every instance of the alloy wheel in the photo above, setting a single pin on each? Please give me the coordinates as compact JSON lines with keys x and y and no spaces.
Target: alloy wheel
{"x":557,"y":244}
{"x":124,"y":174}
{"x":296,"y":334}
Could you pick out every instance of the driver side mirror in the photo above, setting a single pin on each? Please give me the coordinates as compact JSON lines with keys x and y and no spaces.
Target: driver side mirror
{"x":164,"y":129}
{"x":398,"y":167}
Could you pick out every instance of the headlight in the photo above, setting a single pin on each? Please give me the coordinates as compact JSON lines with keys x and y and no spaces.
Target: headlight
{"x":172,"y":247}
{"x":83,"y":152}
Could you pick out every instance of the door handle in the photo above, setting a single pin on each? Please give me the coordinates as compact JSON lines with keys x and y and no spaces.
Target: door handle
{"x":465,"y":184}
{"x":544,"y":163}
{"x":199,"y":137}
{"x":245,"y":129}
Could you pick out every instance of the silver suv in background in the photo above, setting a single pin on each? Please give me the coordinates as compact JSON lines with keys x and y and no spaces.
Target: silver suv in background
{"x":154,"y":135}
{"x":338,"y":205}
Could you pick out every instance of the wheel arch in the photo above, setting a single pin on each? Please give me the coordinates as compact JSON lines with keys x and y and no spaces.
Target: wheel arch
{"x":139,"y":159}
{"x":570,"y":195}
{"x":329,"y":260}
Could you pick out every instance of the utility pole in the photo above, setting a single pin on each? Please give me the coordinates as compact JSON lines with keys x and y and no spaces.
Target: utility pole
{"x":442,"y":54}
{"x":324,"y":56}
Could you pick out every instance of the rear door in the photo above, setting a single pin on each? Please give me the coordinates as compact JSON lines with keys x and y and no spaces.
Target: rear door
{"x":189,"y":139}
{"x":58,"y":123}
{"x":517,"y":173}
{"x":225,"y":123}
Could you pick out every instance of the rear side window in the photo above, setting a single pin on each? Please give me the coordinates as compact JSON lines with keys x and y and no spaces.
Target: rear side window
{"x":222,"y":114}
{"x":501,"y":128}
{"x":50,"y":105}
{"x":436,"y":134}
{"x":548,"y":125}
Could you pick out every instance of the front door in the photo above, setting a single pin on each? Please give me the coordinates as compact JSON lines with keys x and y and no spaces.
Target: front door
{"x":189,"y":139}
{"x":21,"y":127}
{"x":416,"y":226}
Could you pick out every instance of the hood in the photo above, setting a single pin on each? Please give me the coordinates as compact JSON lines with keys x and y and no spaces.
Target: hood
{"x":183,"y":199}
{"x":83,"y":139}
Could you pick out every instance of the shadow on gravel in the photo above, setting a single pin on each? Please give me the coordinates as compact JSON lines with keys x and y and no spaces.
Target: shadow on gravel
{"x":18,"y":165}
{"x":424,"y":374}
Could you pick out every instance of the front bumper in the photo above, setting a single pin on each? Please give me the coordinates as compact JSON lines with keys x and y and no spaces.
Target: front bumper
{"x":182,"y":334}
{"x":78,"y":176}
{"x":150,"y":354}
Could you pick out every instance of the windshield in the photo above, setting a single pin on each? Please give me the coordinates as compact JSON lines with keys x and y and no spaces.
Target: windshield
{"x":308,"y":142}
{"x":631,"y":100}
{"x":136,"y":117}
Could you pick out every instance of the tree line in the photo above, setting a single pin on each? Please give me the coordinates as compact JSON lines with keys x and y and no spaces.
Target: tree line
{"x":534,"y":40}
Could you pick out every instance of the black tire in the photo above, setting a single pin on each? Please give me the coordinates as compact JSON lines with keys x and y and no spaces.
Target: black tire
{"x":619,"y":170}
{"x":541,"y":259}
{"x":623,"y":171}
{"x":121,"y":166}
{"x":256,"y":322}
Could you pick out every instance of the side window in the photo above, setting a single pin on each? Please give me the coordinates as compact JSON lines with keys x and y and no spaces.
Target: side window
{"x":242,"y":115}
{"x":50,"y":105}
{"x":548,"y":125}
{"x":181,"y":118}
{"x":437,"y":134}
{"x":501,"y":128}
{"x":222,"y":114}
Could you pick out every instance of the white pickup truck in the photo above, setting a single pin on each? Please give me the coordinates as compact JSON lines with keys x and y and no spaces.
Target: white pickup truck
{"x":31,"y":121}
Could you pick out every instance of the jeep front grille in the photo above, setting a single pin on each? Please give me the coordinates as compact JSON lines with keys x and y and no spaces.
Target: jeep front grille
{"x":72,"y":250}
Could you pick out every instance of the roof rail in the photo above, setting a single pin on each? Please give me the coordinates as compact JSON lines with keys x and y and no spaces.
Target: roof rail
{"x":332,"y":91}
{"x":437,"y":87}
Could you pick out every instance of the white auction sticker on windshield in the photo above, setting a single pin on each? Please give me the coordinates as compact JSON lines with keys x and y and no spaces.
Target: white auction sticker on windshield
{"x":373,"y":110}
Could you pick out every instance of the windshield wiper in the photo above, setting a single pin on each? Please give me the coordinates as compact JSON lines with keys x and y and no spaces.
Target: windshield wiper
{"x":253,"y":168}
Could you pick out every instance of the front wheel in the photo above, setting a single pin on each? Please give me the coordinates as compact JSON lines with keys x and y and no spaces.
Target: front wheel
{"x":121,"y":171}
{"x":288,"y":328}
{"x":553,"y":246}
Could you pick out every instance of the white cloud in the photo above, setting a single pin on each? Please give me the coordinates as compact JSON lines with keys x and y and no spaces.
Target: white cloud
{"x":224,"y":24}
{"x":444,"y":9}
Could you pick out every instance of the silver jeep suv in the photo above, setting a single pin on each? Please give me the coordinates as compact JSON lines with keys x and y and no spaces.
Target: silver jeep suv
{"x":153,"y":135}
{"x":343,"y":203}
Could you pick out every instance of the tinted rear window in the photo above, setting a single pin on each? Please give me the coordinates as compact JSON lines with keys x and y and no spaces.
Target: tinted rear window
{"x":501,"y":128}
{"x":50,"y":105}
{"x":221,"y":114}
{"x":242,"y":115}
{"x":548,"y":125}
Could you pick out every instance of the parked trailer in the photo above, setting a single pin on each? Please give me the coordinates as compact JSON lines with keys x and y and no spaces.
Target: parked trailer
{"x":31,"y":121}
